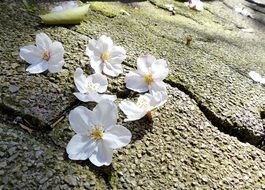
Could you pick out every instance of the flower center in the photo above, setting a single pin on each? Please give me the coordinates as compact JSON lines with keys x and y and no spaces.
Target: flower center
{"x":96,"y":133}
{"x":142,"y":102}
{"x":105,"y":56}
{"x":92,"y":86}
{"x":46,"y":55}
{"x":148,"y":78}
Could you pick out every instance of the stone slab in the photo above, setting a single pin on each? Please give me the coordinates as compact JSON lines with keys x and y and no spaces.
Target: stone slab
{"x":213,"y":70}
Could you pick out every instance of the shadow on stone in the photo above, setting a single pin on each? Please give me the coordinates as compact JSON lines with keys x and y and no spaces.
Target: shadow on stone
{"x":139,"y":128}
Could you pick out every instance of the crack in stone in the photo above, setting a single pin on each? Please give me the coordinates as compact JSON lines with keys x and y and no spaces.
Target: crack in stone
{"x":242,"y":134}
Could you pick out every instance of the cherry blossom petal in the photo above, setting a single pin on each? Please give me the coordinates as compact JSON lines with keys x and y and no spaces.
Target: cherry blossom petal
{"x":81,"y":147}
{"x":43,"y":41}
{"x":31,"y":54}
{"x":88,"y":97}
{"x":131,"y":110}
{"x":106,"y":43}
{"x":106,"y":113}
{"x":135,"y":82}
{"x":97,"y":66}
{"x":112,"y":69}
{"x":157,"y":86}
{"x":144,"y":63}
{"x":103,"y":155}
{"x":109,"y":97}
{"x":56,"y":67}
{"x":158,"y":98}
{"x":159,"y":69}
{"x":117,"y":55}
{"x":80,"y":80}
{"x":255,"y":76}
{"x":56,"y":49}
{"x":38,"y":67}
{"x":117,"y":137}
{"x":101,"y":80}
{"x":93,"y":49}
{"x":81,"y":120}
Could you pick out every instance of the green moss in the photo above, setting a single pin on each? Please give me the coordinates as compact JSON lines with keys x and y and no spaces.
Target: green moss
{"x":113,"y":180}
{"x":106,"y":9}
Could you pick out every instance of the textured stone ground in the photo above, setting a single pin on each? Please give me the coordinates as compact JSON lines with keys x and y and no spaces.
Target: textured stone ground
{"x":191,"y":143}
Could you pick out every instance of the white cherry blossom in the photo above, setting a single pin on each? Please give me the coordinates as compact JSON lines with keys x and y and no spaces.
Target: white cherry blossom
{"x":105,"y":56}
{"x":149,"y":75}
{"x":194,"y":4}
{"x":145,"y":104}
{"x":64,"y":6}
{"x":97,"y":133}
{"x":89,"y":87}
{"x":45,"y":55}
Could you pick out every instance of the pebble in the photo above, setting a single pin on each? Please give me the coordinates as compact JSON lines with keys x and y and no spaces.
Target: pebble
{"x":71,"y":180}
{"x":3,"y":164}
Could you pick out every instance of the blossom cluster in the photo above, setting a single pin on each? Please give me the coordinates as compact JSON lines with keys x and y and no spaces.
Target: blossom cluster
{"x":97,"y":131}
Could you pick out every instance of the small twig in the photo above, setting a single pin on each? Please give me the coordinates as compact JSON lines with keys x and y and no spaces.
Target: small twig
{"x":57,"y":121}
{"x":25,"y":127}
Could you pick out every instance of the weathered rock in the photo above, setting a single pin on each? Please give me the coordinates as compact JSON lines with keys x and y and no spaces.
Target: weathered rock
{"x":35,"y":163}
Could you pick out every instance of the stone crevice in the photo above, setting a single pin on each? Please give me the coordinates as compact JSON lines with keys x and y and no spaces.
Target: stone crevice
{"x":222,"y":124}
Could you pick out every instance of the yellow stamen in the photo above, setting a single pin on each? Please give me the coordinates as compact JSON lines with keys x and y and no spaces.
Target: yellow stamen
{"x":93,"y":86}
{"x":148,"y":79}
{"x":96,"y":134}
{"x":105,"y":56}
{"x":46,"y":55}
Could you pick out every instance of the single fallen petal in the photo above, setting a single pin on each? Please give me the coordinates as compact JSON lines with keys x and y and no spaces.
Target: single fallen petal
{"x":255,"y":76}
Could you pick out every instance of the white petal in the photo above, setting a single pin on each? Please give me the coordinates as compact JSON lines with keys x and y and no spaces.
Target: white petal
{"x":159,"y":69}
{"x":112,"y":69}
{"x":56,"y":49}
{"x":81,"y":120}
{"x":103,"y":155}
{"x":31,"y":54}
{"x":80,"y":80}
{"x":43,"y":41}
{"x":157,"y":86}
{"x":64,"y":6}
{"x":57,"y":9}
{"x":117,"y":137}
{"x":255,"y":76}
{"x":117,"y":55}
{"x":106,"y":43}
{"x":94,"y":49}
{"x":109,"y":97}
{"x":144,"y":63}
{"x":131,"y":110}
{"x":106,"y":113}
{"x":81,"y":147}
{"x":101,"y":80}
{"x":262,"y":81}
{"x":88,"y":97}
{"x":158,"y":98}
{"x":97,"y":66}
{"x":199,"y":6}
{"x":55,"y":68}
{"x":38,"y":67}
{"x":135,"y":82}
